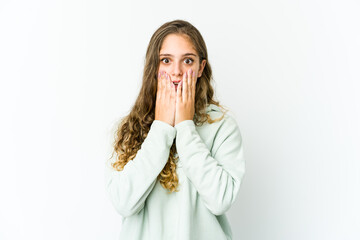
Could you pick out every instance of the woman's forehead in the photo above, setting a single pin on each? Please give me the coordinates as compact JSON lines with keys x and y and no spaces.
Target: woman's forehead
{"x":177,"y":44}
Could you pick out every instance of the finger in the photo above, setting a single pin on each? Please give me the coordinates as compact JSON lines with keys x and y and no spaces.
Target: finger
{"x":189,"y":95}
{"x":172,"y":89}
{"x":168,"y":86}
{"x":184,"y":87}
{"x":179,"y":92}
{"x":194,"y":84}
{"x":159,"y":84}
{"x":163,"y":82}
{"x":158,"y":78}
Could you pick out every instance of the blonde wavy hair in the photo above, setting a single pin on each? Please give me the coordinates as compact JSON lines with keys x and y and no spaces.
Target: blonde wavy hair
{"x":133,"y":128}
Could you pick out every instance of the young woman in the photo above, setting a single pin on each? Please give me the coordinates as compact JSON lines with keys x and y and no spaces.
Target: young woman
{"x":179,"y":157}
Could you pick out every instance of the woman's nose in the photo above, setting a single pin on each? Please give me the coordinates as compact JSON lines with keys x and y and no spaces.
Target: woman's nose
{"x":177,"y":69}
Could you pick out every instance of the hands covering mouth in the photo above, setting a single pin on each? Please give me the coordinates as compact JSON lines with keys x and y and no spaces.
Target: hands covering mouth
{"x":179,"y":98}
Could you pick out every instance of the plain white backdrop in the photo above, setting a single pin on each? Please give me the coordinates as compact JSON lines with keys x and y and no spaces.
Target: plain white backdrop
{"x":287,"y":69}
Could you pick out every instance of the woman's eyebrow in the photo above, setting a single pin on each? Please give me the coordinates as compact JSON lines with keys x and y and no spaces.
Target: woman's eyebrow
{"x":186,"y":54}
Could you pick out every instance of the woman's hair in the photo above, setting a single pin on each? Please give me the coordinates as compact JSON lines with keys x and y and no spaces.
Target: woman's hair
{"x":133,"y":128}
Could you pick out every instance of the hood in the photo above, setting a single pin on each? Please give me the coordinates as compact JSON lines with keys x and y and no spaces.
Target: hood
{"x":212,"y":108}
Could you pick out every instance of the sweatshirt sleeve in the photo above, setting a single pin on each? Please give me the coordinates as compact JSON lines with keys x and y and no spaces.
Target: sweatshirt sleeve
{"x":129,"y":188}
{"x":216,"y":178}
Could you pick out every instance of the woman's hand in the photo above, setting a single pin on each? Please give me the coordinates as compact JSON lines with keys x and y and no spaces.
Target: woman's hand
{"x":165,"y":99}
{"x":185,"y":97}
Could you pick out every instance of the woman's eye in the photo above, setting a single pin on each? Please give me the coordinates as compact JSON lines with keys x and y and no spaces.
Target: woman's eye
{"x":187,"y":61}
{"x":190,"y":60}
{"x":165,"y":59}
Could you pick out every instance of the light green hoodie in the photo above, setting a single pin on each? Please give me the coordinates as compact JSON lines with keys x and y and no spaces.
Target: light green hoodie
{"x":210,"y":169}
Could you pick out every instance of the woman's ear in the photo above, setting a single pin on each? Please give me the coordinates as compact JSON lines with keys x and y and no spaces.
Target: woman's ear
{"x":201,"y":68}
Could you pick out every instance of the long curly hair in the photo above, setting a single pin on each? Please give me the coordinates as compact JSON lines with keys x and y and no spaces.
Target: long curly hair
{"x":133,"y":128}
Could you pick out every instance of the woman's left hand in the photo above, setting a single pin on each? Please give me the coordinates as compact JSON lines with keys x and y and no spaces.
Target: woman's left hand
{"x":185,"y":97}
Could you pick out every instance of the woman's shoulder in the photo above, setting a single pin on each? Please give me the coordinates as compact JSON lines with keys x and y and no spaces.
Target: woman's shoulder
{"x":219,"y":130}
{"x":216,"y":111}
{"x":226,"y":116}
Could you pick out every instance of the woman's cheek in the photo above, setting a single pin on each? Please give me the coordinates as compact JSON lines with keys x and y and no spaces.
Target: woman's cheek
{"x":163,"y":69}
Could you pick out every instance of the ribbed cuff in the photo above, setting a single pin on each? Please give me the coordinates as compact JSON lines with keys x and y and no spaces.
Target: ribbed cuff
{"x":165,"y":129}
{"x":186,"y":124}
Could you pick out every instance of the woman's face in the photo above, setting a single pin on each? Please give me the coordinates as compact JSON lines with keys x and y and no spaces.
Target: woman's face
{"x":178,"y":55}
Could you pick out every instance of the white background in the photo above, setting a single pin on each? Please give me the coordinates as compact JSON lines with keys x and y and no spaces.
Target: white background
{"x":288,"y":70}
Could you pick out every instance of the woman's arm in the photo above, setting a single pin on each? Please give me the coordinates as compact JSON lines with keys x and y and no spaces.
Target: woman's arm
{"x":129,"y":188}
{"x":217,"y":178}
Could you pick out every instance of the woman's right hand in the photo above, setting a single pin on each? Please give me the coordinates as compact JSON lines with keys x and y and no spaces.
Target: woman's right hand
{"x":165,"y":105}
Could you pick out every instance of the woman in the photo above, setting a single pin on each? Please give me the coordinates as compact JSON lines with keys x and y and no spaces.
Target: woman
{"x":179,"y":160}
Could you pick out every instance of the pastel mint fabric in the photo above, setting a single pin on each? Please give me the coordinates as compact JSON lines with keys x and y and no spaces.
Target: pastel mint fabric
{"x":210,"y":169}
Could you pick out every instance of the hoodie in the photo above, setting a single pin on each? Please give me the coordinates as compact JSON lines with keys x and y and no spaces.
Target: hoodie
{"x":210,"y":170}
